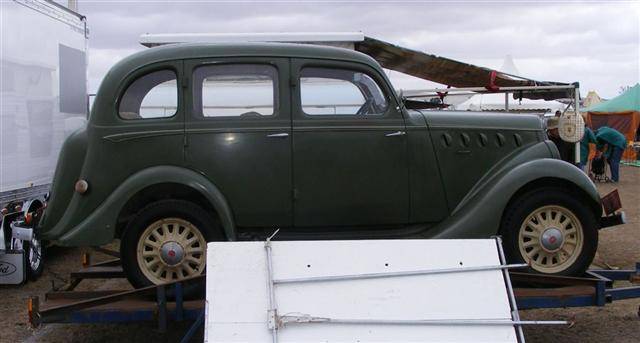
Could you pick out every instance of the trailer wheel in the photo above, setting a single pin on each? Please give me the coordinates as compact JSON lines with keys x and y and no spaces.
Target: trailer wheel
{"x":552,"y":231}
{"x":166,"y":241}
{"x":34,"y":253}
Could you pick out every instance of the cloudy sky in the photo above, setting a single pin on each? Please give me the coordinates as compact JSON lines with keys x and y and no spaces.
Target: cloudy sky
{"x":595,"y":43}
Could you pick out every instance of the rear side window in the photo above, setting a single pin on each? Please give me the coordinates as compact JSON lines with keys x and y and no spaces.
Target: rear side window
{"x":328,"y":91}
{"x":154,"y":95}
{"x":235,"y":90}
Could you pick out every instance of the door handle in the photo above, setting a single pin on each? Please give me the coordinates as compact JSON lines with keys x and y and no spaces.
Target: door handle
{"x":278,"y":135}
{"x":394,"y":134}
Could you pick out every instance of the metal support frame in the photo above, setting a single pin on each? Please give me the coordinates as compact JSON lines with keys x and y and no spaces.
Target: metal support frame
{"x":162,"y":308}
{"x":275,"y":322}
{"x":515,"y":315}
{"x":596,"y":288}
{"x":272,"y":311}
{"x":576,"y":106}
{"x":408,"y":93}
{"x":398,"y":274}
{"x":506,"y":102}
{"x":435,"y":322}
{"x":78,"y":306}
{"x":192,"y":330}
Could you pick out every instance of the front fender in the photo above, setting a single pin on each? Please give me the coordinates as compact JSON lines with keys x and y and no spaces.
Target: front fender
{"x":99,"y":227}
{"x":481,"y":213}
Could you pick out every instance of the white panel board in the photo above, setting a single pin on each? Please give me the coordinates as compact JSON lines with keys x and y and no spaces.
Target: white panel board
{"x":238,"y":298}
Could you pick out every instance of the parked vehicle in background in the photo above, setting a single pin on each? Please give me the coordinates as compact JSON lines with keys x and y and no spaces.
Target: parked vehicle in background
{"x":43,"y":90}
{"x":194,"y":143}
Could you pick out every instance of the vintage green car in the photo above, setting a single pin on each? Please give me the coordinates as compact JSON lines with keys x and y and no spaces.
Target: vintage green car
{"x":194,"y":143}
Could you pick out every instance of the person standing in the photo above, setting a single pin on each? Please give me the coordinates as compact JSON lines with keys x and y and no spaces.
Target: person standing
{"x":589,"y":137}
{"x":615,"y":142}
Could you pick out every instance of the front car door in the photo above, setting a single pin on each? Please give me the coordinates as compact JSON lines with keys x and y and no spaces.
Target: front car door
{"x":349,"y":147}
{"x":238,"y":134}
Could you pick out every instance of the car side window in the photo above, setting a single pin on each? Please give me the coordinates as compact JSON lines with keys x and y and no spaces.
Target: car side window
{"x":235,"y":90}
{"x":154,"y":95}
{"x":331,"y":91}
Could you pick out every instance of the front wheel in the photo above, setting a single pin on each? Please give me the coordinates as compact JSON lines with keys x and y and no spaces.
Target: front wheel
{"x":552,"y":231}
{"x":166,"y":242}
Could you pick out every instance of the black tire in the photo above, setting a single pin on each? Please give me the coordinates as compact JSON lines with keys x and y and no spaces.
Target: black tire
{"x":163,"y":209}
{"x":34,"y":258}
{"x":526,"y":205}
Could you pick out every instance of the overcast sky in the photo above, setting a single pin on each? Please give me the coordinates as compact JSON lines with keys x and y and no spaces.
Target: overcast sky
{"x":594,"y":43}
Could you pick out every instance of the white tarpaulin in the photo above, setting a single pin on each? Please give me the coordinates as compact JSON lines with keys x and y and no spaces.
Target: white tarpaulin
{"x":238,"y":292}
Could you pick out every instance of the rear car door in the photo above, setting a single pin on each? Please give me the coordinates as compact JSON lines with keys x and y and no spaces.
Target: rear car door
{"x":349,"y":147}
{"x":238,"y":131}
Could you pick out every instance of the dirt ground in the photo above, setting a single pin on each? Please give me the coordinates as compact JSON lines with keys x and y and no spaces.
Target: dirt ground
{"x":619,"y":247}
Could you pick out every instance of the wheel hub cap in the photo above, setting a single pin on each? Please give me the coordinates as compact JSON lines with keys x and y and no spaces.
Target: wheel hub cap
{"x":171,"y":249}
{"x":171,"y":253}
{"x":552,"y":239}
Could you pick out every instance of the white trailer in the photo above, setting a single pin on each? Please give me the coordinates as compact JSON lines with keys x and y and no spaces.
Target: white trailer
{"x":43,"y":98}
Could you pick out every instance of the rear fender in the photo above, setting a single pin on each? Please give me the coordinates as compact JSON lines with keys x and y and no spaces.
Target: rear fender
{"x":99,"y":227}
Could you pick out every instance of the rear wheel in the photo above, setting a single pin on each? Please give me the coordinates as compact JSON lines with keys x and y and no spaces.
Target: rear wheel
{"x":166,"y":242}
{"x":552,"y":231}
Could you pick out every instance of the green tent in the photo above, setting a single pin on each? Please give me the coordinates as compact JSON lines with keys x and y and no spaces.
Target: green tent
{"x":621,"y":113}
{"x":627,"y":101}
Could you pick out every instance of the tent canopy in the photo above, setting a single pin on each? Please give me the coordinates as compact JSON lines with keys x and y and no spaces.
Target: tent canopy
{"x":628,"y":101}
{"x":590,"y":100}
{"x":621,"y":113}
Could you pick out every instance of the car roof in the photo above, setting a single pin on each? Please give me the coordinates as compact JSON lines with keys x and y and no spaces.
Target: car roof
{"x":202,"y":50}
{"x":113,"y":80}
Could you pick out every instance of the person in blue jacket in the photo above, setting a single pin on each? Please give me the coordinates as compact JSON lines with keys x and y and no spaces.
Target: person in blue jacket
{"x":615,"y":143}
{"x":589,"y":137}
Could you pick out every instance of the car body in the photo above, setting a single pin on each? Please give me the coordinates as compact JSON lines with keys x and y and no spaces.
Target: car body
{"x":293,"y":159}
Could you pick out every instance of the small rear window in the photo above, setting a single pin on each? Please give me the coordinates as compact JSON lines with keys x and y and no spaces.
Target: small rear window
{"x":154,"y":95}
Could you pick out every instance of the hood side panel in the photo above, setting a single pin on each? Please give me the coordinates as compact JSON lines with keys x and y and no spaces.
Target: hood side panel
{"x":469,"y":146}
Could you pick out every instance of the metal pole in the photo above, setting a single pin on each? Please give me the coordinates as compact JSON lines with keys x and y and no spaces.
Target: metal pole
{"x":272,"y":312}
{"x":446,"y":322}
{"x":397,"y":274}
{"x":577,"y":110}
{"x":412,"y":93}
{"x":506,"y":102}
{"x":162,"y":309}
{"x":512,"y":299}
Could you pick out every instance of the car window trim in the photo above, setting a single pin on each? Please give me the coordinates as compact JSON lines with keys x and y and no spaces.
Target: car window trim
{"x":392,"y":106}
{"x":196,"y":113}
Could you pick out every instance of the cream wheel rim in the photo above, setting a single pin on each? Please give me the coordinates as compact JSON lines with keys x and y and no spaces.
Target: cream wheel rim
{"x":171,"y":249}
{"x":550,"y":239}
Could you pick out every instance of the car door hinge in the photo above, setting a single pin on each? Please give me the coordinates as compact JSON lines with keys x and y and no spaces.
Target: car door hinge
{"x":296,"y":193}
